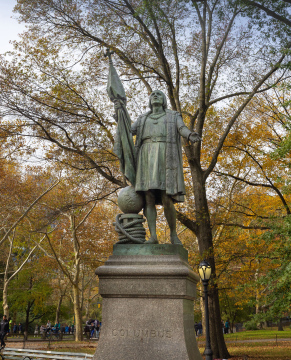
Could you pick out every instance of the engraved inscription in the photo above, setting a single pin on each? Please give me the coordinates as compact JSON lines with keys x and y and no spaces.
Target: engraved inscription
{"x":159,"y":247}
{"x":142,"y":333}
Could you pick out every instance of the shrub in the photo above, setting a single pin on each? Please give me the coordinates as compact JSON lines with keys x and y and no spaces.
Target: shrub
{"x":251,"y":325}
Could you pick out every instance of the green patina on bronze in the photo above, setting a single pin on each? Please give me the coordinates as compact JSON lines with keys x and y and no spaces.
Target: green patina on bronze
{"x":154,"y":164}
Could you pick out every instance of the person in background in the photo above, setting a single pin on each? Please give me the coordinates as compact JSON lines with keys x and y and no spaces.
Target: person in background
{"x":19,"y":329}
{"x":15,"y":329}
{"x":200,"y":328}
{"x":196,"y":328}
{"x":57,"y":327}
{"x":10,"y":325}
{"x":226,"y":326}
{"x":87,"y":330}
{"x":36,"y":330}
{"x":97,"y":327}
{"x":236,"y":327}
{"x":92,"y":330}
{"x":4,"y":329}
{"x":42,"y":329}
{"x":222,"y":325}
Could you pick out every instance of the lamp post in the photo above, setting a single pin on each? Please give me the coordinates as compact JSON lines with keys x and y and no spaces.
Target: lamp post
{"x":204,"y":270}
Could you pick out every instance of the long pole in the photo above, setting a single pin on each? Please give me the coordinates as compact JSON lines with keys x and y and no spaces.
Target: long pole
{"x":208,"y":352}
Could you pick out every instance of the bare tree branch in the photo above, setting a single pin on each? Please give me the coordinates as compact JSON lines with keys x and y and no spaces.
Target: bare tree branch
{"x":237,"y":114}
{"x":270,"y":12}
{"x":27,"y":211}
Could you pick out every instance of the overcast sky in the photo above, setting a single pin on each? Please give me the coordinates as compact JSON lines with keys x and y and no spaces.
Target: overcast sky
{"x":9,"y":28}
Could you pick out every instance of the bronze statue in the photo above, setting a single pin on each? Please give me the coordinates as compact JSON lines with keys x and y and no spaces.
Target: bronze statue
{"x":157,"y":158}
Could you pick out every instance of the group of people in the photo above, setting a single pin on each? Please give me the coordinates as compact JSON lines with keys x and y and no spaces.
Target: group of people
{"x":225,"y":327}
{"x":16,"y":329}
{"x":57,"y":328}
{"x":92,"y":328}
{"x":67,"y":329}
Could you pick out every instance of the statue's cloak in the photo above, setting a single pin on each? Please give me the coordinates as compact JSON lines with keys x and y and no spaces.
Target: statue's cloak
{"x":174,"y":163}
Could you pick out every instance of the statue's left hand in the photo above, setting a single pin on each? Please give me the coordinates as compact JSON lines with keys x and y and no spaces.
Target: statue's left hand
{"x":117,"y":104}
{"x":194,"y":137}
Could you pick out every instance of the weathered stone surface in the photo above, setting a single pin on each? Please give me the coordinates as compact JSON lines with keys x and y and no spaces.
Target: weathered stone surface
{"x":147,"y":305}
{"x":150,"y":249}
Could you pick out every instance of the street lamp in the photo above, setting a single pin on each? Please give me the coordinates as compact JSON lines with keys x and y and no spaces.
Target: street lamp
{"x":204,"y":270}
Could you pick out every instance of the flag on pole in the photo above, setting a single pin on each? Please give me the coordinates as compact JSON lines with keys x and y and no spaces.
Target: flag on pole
{"x":123,"y":142}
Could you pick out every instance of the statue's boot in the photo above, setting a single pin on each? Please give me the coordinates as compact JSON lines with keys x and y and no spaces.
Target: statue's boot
{"x":175,"y":240}
{"x":152,"y":240}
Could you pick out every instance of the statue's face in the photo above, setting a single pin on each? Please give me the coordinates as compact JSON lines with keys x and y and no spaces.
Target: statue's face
{"x":157,"y":98}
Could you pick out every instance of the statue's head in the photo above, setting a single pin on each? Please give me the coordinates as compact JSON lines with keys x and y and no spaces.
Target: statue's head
{"x":158,"y":97}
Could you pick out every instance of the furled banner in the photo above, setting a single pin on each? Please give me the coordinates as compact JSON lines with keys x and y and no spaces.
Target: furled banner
{"x":123,"y":142}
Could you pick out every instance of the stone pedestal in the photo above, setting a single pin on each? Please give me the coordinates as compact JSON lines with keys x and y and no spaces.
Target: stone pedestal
{"x":148,"y":293}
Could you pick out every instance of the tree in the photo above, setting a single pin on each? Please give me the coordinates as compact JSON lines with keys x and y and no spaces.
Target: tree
{"x":276,"y":280}
{"x":279,"y":10}
{"x":8,"y":276}
{"x":160,"y":43}
{"x":258,"y":202}
{"x":76,"y":244}
{"x":18,"y":203}
{"x":30,"y":293}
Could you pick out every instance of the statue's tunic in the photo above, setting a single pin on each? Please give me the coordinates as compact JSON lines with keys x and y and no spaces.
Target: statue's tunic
{"x":159,"y":154}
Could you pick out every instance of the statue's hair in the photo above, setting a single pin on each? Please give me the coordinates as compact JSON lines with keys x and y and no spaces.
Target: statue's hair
{"x":165,"y":105}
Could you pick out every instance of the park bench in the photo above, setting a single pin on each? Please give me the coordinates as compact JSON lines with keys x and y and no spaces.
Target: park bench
{"x":29,"y":354}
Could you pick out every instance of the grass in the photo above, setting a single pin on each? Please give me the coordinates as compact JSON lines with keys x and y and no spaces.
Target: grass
{"x":255,"y":334}
{"x":263,"y":345}
{"x":257,"y":351}
{"x":259,"y":334}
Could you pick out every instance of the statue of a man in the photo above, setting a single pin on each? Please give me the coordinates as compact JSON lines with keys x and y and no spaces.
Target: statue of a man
{"x":159,"y":173}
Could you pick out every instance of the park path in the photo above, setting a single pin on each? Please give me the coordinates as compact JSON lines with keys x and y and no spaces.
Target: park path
{"x":45,"y":345}
{"x":41,"y":344}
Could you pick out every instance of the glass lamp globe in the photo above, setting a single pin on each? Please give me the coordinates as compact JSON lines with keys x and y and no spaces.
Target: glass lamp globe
{"x":204,"y":270}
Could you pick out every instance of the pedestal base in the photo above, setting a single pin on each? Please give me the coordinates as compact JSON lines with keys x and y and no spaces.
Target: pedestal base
{"x":148,"y":293}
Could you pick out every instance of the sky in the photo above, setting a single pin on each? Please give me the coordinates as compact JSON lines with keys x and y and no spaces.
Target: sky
{"x":9,"y":27}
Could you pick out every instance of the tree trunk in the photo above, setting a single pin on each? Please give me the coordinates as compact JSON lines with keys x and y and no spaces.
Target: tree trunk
{"x":26,"y":321}
{"x":77,"y":313}
{"x":76,"y":280}
{"x":216,"y":335}
{"x":88,"y":300}
{"x":14,"y":318}
{"x":204,"y":235}
{"x":58,"y":309}
{"x":5,"y":300}
{"x":6,"y":280}
{"x":280,"y":325}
